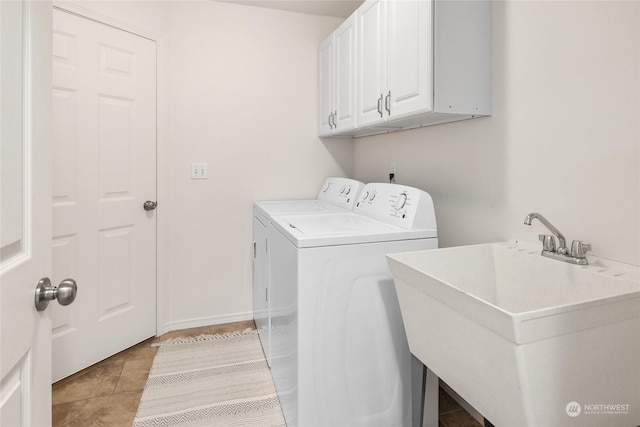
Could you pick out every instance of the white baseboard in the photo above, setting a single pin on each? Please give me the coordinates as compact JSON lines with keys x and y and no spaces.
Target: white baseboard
{"x":205,"y":321}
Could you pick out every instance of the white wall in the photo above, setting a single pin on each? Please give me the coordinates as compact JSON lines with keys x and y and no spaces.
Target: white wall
{"x":145,"y":15}
{"x":243,"y":100}
{"x":563,"y":139}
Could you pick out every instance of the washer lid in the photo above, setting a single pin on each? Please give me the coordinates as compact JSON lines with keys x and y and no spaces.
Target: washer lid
{"x":342,"y":229}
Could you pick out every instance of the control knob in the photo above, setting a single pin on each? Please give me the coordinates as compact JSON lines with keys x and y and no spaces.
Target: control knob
{"x":401,"y":201}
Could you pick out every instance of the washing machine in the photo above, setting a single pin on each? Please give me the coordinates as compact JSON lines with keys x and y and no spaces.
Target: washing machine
{"x":335,"y":195}
{"x":339,"y":353}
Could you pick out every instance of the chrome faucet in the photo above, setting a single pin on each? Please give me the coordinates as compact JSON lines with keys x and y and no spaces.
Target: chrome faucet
{"x":562,"y":245}
{"x":578,"y":248}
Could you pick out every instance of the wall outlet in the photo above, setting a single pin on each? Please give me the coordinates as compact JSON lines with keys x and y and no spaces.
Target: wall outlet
{"x":199,"y":171}
{"x":392,"y":173}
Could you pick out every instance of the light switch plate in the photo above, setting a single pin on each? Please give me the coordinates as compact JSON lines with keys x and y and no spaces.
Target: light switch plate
{"x":199,"y":171}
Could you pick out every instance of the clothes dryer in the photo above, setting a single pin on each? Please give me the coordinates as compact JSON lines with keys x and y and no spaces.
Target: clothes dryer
{"x":336,"y":195}
{"x":339,"y":353}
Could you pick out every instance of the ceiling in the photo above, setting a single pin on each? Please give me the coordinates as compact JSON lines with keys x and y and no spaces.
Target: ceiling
{"x":337,"y":8}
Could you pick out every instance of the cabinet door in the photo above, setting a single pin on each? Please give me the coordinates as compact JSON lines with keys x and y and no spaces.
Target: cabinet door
{"x":325,"y":86}
{"x":261,"y":313}
{"x":409,"y":58}
{"x":345,"y":74}
{"x":371,"y":76}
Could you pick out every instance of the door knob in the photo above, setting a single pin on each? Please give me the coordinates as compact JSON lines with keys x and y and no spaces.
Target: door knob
{"x":65,"y":293}
{"x":149,"y":205}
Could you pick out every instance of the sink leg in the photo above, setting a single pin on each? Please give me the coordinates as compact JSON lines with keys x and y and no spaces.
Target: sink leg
{"x":431,"y":396}
{"x":417,"y":391}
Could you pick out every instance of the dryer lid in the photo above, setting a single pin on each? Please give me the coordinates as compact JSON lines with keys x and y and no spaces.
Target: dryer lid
{"x":292,"y":207}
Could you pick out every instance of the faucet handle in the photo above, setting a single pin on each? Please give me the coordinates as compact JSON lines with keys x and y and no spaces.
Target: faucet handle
{"x":548,"y":242}
{"x":579,"y":249}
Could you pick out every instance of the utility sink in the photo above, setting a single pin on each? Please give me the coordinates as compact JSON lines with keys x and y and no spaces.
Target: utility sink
{"x":526,"y":340}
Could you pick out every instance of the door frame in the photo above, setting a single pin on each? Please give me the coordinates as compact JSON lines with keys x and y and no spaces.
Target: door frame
{"x":162,"y":145}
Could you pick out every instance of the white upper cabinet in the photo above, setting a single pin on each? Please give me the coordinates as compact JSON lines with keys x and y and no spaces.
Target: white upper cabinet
{"x":336,"y":80}
{"x":418,"y":63}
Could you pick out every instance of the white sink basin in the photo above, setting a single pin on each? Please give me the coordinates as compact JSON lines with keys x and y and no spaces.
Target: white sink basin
{"x":520,"y":336}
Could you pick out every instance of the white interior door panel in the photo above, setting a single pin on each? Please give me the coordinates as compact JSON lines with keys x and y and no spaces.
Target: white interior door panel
{"x":104,"y":169}
{"x":25,"y":211}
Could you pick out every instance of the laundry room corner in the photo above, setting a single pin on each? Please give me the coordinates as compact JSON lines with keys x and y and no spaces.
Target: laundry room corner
{"x":252,"y":123}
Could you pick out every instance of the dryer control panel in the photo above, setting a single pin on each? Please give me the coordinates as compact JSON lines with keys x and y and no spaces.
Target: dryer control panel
{"x":341,"y":192}
{"x":400,"y":205}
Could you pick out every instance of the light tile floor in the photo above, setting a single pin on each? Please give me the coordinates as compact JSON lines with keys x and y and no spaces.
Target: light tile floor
{"x":107,"y":394}
{"x":451,"y":414}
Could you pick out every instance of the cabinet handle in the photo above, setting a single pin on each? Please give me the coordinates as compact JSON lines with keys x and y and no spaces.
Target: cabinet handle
{"x":380,"y":105}
{"x":330,"y":124}
{"x":387,"y":103}
{"x":335,"y":114}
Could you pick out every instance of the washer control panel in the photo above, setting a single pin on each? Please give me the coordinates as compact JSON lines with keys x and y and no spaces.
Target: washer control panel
{"x":400,"y":205}
{"x":341,"y":192}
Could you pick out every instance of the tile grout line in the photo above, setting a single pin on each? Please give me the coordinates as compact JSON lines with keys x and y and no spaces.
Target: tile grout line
{"x":115,"y":386}
{"x":450,"y":411}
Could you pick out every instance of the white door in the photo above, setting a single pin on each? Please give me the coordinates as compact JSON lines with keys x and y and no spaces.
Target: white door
{"x":371,"y":76}
{"x":104,"y":169}
{"x":25,"y":211}
{"x":345,"y":74}
{"x":409,"y":58}
{"x":325,"y":87}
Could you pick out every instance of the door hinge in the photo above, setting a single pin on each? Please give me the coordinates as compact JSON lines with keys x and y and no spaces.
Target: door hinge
{"x":254,"y":249}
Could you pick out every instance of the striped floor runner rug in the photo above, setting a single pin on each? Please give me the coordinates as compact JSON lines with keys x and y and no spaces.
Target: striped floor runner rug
{"x":211,"y":380}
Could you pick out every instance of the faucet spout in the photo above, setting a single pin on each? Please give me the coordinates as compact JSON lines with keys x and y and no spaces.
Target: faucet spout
{"x":562,"y":245}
